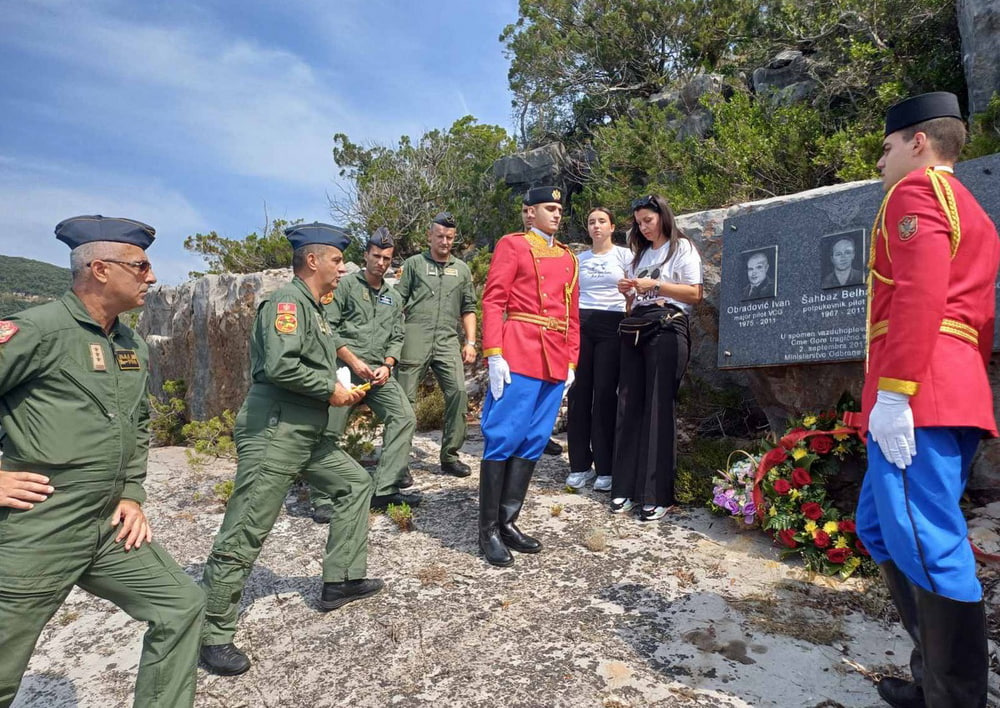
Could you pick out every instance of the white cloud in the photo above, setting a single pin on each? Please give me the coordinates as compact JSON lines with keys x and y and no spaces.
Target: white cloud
{"x":35,"y":197}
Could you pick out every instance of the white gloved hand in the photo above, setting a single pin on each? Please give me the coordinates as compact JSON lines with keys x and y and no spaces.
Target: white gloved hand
{"x":891,"y":426}
{"x":344,"y":377}
{"x":499,"y":374}
{"x":570,"y":378}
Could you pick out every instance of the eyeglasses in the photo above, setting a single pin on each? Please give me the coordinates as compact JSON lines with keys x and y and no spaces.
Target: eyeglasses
{"x":647,"y":202}
{"x":141,"y":266}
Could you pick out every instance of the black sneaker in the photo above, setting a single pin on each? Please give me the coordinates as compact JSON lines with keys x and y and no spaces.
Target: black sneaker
{"x":322,"y":514}
{"x":456,"y":468}
{"x":224,"y":659}
{"x":382,"y":501}
{"x":552,"y":447}
{"x":339,"y":594}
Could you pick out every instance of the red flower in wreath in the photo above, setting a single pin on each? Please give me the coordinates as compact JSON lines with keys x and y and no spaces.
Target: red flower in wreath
{"x":821,"y":444}
{"x":801,"y":477}
{"x":789,"y":439}
{"x":838,"y":555}
{"x":812,"y":510}
{"x":847,"y":526}
{"x":860,"y":548}
{"x":773,"y":457}
{"x":782,"y":486}
{"x":787,"y":537}
{"x":821,"y":539}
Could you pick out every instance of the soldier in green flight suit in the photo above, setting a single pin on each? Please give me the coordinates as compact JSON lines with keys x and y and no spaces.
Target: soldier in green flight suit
{"x":437,"y":294}
{"x":367,"y":315}
{"x":76,"y":420}
{"x":279,"y":433}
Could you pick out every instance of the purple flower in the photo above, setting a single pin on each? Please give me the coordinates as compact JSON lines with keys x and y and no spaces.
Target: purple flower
{"x":750,"y":509}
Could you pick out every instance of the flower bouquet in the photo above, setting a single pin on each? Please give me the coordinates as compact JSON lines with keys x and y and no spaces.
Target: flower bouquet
{"x":792,"y":496}
{"x":732,"y":489}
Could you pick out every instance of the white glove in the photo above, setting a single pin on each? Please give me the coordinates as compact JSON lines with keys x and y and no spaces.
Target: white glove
{"x":891,"y":426}
{"x":499,"y":374}
{"x":570,"y":378}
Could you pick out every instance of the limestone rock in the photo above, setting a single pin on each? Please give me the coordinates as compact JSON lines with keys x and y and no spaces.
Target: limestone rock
{"x":541,"y":166}
{"x":786,"y":79}
{"x":979,"y":27}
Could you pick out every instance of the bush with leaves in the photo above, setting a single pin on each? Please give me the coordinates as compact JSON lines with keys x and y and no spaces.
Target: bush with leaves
{"x":167,"y":419}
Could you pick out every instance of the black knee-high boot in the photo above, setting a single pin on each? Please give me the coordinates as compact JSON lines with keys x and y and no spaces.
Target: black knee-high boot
{"x":491,"y":482}
{"x":956,"y":654}
{"x":895,"y":691}
{"x":514,"y":490}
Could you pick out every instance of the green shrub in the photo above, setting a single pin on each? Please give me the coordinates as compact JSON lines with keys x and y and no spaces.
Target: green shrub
{"x":430,"y":408}
{"x":697,"y":462}
{"x":224,"y":490}
{"x":166,"y":420}
{"x":211,"y":438}
{"x":401,"y":515}
{"x":358,"y":440}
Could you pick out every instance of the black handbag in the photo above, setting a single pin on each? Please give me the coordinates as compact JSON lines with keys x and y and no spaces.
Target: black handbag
{"x":650,"y":322}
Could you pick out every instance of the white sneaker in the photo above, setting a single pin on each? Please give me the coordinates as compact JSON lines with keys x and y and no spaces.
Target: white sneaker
{"x":619,"y":505}
{"x":578,"y":480}
{"x":652,"y":513}
{"x":603,"y":483}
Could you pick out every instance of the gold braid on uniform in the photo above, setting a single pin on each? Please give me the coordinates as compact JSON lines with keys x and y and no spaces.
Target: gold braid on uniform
{"x":570,"y":286}
{"x":946,"y":200}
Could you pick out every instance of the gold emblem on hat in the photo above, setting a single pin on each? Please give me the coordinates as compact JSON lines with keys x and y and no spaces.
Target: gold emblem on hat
{"x":556,"y":195}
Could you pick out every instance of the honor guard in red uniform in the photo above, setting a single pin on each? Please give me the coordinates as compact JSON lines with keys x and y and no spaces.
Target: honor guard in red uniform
{"x":927,"y":401}
{"x":531,"y":338}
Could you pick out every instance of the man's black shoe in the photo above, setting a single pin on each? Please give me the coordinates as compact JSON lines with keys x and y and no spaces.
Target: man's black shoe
{"x":900,"y":693}
{"x":339,"y":594}
{"x":322,"y":514}
{"x":224,"y":659}
{"x":406,"y":481}
{"x":552,"y":447}
{"x":456,"y":468}
{"x":382,"y":501}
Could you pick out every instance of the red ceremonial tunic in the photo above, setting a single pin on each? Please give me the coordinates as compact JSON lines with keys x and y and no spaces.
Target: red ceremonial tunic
{"x":531,"y":309}
{"x":931,"y":302}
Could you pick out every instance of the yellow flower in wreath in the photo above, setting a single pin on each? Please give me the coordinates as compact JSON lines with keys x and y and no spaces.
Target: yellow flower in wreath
{"x":809,"y":421}
{"x":794,"y":494}
{"x":772,"y":511}
{"x":798,"y":453}
{"x":841,"y":542}
{"x":830,"y":527}
{"x":811,"y":527}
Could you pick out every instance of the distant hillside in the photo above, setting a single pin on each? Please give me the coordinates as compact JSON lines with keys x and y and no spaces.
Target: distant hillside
{"x":25,"y":282}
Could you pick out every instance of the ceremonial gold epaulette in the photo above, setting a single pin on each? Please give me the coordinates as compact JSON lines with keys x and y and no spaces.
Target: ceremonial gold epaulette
{"x":540,"y":248}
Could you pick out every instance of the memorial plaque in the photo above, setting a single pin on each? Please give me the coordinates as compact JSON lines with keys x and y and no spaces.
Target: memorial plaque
{"x":794,"y":277}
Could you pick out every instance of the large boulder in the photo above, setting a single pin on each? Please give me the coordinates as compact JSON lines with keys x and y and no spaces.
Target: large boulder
{"x":786,"y":79}
{"x":546,"y":165}
{"x":200,"y":332}
{"x":693,"y":119}
{"x":979,"y":27}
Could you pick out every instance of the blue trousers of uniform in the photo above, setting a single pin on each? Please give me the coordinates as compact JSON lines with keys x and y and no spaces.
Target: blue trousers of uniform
{"x":912,"y":516}
{"x":520,"y":422}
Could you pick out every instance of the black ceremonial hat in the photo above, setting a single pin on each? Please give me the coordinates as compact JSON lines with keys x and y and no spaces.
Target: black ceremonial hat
{"x":916,"y":109}
{"x":542,"y":195}
{"x":301,"y":235}
{"x":78,"y":230}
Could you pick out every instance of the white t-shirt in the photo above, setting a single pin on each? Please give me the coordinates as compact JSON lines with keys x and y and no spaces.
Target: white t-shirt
{"x":683,"y":267}
{"x":599,"y":276}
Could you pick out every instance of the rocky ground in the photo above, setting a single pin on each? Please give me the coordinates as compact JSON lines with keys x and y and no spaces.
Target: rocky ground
{"x":690,"y":611}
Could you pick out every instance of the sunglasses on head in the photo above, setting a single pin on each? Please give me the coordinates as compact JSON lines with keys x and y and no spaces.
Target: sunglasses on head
{"x":647,"y":202}
{"x":141,"y":266}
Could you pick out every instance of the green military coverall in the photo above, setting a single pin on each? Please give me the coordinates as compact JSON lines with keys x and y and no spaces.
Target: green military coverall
{"x":279,"y":433}
{"x":435,"y":296}
{"x":369,"y":322}
{"x":73,"y":407}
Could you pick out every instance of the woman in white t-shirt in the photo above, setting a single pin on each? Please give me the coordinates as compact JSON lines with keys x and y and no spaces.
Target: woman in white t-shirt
{"x":593,"y":398}
{"x":662,"y":283}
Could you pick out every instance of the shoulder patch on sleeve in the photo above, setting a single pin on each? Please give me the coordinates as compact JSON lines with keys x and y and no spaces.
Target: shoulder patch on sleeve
{"x":287,"y":307}
{"x":286,"y":322}
{"x":907,"y":227}
{"x":7,"y":330}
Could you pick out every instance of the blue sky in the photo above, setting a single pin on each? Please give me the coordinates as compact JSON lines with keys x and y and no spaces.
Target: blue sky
{"x":192,"y":115}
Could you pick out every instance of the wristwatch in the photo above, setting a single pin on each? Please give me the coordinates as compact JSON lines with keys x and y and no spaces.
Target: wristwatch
{"x":656,"y":288}
{"x":471,"y":343}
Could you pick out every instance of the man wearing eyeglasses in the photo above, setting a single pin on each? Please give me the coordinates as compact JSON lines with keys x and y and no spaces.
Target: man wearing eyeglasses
{"x":531,"y":339}
{"x":74,"y":411}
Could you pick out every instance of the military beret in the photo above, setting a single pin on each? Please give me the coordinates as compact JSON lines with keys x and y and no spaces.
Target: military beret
{"x":304,"y":234}
{"x":445,"y":219}
{"x":542,"y":195}
{"x":917,"y":109}
{"x":78,"y":230}
{"x":381,"y":238}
